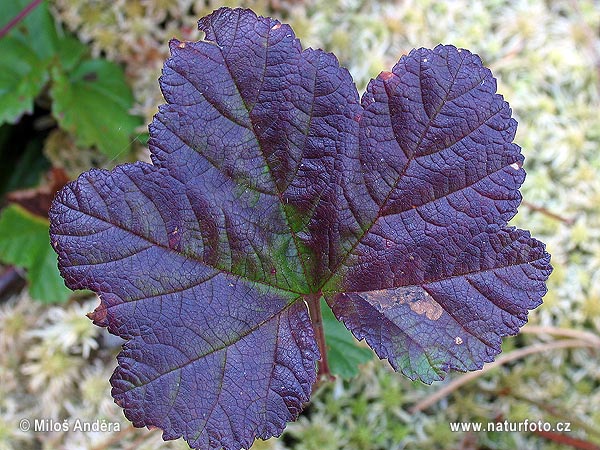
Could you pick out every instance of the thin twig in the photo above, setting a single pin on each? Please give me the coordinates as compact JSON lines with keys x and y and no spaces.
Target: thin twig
{"x":559,"y":413}
{"x":547,"y":212}
{"x":506,"y":358}
{"x":15,"y":20}
{"x":565,"y":332}
{"x":565,"y":440}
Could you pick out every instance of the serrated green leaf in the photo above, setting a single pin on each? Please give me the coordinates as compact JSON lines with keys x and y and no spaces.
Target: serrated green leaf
{"x":22,"y":76}
{"x":70,"y":52}
{"x":26,"y":53}
{"x":93,"y":102}
{"x":24,"y":242}
{"x":343,"y":353}
{"x":37,"y":30}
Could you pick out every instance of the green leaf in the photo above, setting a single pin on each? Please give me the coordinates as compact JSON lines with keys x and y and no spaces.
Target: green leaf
{"x":26,"y":54}
{"x":24,"y":242}
{"x":36,"y":31}
{"x":70,"y":52}
{"x":22,"y":76}
{"x":92,"y":102}
{"x":343,"y":353}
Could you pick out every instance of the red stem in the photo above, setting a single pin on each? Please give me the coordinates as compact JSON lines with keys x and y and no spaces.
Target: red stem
{"x":314,"y":307}
{"x":547,"y":212}
{"x":567,"y":440}
{"x":15,"y":20}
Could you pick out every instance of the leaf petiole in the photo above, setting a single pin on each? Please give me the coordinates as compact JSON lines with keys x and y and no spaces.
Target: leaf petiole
{"x":314,"y":308}
{"x":15,"y":20}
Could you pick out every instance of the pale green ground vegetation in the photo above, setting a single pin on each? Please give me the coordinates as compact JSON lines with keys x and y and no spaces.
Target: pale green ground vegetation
{"x":545,"y":55}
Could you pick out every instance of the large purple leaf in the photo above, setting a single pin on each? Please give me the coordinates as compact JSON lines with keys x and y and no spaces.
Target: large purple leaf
{"x":272,"y":185}
{"x":210,"y":355}
{"x":436,"y":279}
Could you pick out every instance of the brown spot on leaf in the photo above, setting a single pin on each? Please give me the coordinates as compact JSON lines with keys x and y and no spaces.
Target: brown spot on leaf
{"x":91,"y":76}
{"x":277,"y":26}
{"x":98,"y":316}
{"x":385,"y":75}
{"x":417,"y":298}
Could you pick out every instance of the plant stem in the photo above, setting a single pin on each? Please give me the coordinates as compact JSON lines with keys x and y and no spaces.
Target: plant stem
{"x":547,"y":212}
{"x":567,"y":441}
{"x":512,"y":356}
{"x":15,"y":20}
{"x":565,"y":332}
{"x":559,"y":413}
{"x":314,"y":308}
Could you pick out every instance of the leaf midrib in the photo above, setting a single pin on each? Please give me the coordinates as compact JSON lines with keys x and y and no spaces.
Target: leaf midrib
{"x":401,"y":174}
{"x":260,"y":147}
{"x":223,"y":346}
{"x":183,"y":254}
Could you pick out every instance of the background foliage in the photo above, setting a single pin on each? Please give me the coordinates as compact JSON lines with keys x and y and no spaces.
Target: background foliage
{"x":77,"y":86}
